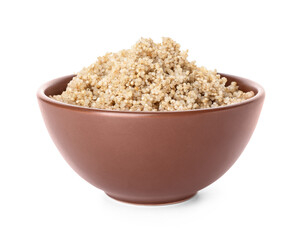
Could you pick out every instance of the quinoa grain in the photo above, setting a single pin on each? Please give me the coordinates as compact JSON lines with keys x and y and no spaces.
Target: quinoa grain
{"x":150,"y":77}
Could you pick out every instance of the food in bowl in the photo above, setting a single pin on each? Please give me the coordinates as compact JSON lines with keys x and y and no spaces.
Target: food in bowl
{"x":150,"y":77}
{"x":123,"y":123}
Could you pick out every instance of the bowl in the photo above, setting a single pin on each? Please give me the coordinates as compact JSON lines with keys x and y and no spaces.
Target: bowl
{"x":150,"y":157}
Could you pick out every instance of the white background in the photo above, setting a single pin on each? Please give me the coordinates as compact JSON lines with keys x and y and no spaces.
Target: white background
{"x":261,"y":197}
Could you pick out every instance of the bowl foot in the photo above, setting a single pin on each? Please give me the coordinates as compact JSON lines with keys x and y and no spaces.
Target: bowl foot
{"x":153,"y":203}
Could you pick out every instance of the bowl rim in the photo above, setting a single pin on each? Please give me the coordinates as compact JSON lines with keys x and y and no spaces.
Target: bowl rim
{"x":42,"y":96}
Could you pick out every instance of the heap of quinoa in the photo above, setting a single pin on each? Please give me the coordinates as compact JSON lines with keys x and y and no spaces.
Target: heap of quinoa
{"x":150,"y":77}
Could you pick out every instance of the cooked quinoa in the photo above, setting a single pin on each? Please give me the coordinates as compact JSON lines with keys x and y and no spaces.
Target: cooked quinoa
{"x":150,"y":77}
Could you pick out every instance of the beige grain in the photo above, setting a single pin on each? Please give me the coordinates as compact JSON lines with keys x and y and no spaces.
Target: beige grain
{"x":150,"y":77}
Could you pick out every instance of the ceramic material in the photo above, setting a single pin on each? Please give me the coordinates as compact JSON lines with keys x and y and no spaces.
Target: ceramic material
{"x":150,"y":157}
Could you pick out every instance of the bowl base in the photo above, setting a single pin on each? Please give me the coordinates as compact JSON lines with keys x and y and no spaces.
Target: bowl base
{"x":179,"y":200}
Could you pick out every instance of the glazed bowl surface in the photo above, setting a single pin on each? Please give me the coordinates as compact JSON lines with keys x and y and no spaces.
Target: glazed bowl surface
{"x":150,"y":157}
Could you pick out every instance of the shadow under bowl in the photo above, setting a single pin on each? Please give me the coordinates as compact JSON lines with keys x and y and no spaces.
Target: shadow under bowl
{"x":150,"y":157}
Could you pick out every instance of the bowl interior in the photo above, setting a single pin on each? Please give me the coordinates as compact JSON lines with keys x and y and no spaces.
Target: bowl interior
{"x":58,"y":86}
{"x":244,"y":84}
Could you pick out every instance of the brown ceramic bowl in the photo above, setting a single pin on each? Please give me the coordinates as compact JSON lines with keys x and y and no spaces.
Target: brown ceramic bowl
{"x":150,"y":157}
